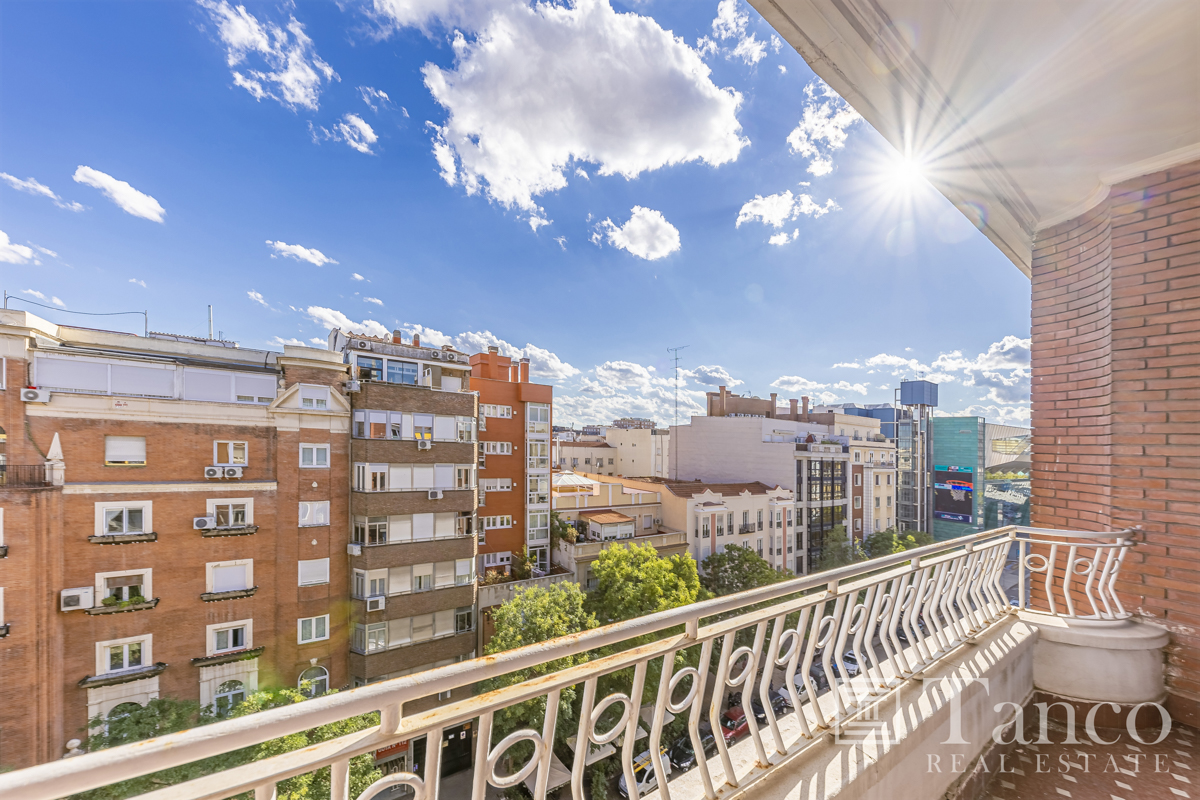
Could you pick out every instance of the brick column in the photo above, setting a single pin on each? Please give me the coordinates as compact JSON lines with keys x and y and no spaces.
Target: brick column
{"x":1116,"y":396}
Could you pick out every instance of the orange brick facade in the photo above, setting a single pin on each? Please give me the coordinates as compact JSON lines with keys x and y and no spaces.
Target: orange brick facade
{"x":1116,"y":396}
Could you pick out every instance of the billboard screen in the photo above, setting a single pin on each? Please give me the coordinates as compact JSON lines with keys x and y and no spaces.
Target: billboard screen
{"x":954,"y":494}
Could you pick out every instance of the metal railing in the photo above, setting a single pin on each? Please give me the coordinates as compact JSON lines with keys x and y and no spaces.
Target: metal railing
{"x":890,"y":619}
{"x":24,"y":475}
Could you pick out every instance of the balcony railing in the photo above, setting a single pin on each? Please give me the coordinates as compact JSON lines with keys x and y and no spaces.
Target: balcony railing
{"x":497,"y":593}
{"x":24,"y":475}
{"x":896,"y":616}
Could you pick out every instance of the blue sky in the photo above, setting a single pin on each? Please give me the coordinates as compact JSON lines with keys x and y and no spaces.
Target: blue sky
{"x":583,"y":183}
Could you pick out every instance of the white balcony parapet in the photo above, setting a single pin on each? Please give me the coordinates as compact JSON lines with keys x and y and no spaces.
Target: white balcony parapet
{"x":497,"y":593}
{"x":899,"y":616}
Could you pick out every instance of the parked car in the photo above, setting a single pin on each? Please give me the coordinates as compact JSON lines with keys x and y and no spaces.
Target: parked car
{"x":683,"y":757}
{"x":848,"y":657}
{"x":643,"y":773}
{"x":734,"y":724}
{"x":779,"y":704}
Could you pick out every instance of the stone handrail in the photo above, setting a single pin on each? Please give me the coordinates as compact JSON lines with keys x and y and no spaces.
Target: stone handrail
{"x":498,"y":593}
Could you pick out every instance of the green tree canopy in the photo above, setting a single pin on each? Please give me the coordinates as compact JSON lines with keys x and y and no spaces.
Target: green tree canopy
{"x":632,"y":581}
{"x":836,"y":550}
{"x":737,"y":569}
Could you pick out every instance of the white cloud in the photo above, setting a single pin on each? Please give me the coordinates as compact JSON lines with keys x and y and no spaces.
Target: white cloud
{"x":291,"y":71}
{"x":1016,"y":415}
{"x":542,"y":362}
{"x":536,"y":222}
{"x":783,"y":238}
{"x":128,"y":198}
{"x":258,"y":298}
{"x":374,"y":300}
{"x":646,"y":235}
{"x":317,"y":340}
{"x":1003,"y":370}
{"x":138,"y":282}
{"x":354,"y":276}
{"x":848,"y":365}
{"x":14,"y":253}
{"x":40,"y":296}
{"x":777,"y":209}
{"x":44,"y":251}
{"x":336,"y":319}
{"x":538,"y":87}
{"x":34,"y":187}
{"x":713,"y":376}
{"x":582,"y":173}
{"x":846,"y":386}
{"x":352,"y":129}
{"x":279,"y":341}
{"x":562,"y":241}
{"x":823,"y":127}
{"x":374,"y":98}
{"x":730,"y":23}
{"x":782,"y":69}
{"x":311,"y":255}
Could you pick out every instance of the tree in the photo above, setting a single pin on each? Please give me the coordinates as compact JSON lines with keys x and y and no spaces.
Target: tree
{"x":737,"y":569}
{"x":632,"y":581}
{"x":883,"y":543}
{"x":916,"y":539}
{"x":560,"y":531}
{"x":168,"y":715}
{"x":536,"y":614}
{"x":836,"y":550}
{"x":521,"y":567}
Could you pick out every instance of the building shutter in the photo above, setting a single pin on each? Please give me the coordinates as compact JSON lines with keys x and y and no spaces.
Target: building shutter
{"x":314,"y":571}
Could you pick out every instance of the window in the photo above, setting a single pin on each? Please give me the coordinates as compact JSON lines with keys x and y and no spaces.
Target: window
{"x":539,"y":490}
{"x":401,"y":372}
{"x":704,"y":529}
{"x":229,"y":454}
{"x":497,"y":448}
{"x":745,"y":520}
{"x":760,"y":528}
{"x":312,"y":629}
{"x":314,"y":456}
{"x":314,"y":572}
{"x":760,"y":549}
{"x":230,"y":638}
{"x":124,"y":520}
{"x":466,"y":429}
{"x":857,"y":456}
{"x":720,"y":525}
{"x":877,"y":502}
{"x":464,"y":478}
{"x":464,"y":569}
{"x":127,"y":451}
{"x":877,"y":479}
{"x":376,"y":637}
{"x":539,"y":455}
{"x":538,"y":417}
{"x":889,"y":501}
{"x":858,"y":502}
{"x":314,"y":514}
{"x":118,"y":655}
{"x":648,"y":522}
{"x":229,"y":694}
{"x":314,"y":681}
{"x":858,"y":524}
{"x":229,"y":576}
{"x":122,"y":586}
{"x":464,"y":619}
{"x":314,"y":397}
{"x":500,"y":412}
{"x":370,"y":369}
{"x":500,"y":521}
{"x":229,"y":515}
{"x":858,"y":480}
{"x":422,"y":577}
{"x":889,"y":480}
{"x":423,"y":427}
{"x":537,"y":526}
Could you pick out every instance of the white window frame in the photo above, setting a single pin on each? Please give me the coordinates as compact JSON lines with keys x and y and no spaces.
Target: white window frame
{"x":317,"y":396}
{"x":210,"y":636}
{"x":147,"y":507}
{"x":300,"y":514}
{"x":147,"y":642}
{"x":101,"y":587}
{"x":246,"y":562}
{"x":300,"y":572}
{"x":497,"y":521}
{"x":300,"y":628}
{"x":211,"y":503}
{"x":216,"y":445}
{"x":315,"y":446}
{"x":141,"y":463}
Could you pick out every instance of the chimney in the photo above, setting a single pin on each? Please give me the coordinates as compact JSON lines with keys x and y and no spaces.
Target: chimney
{"x":493,"y":350}
{"x":804,"y":400}
{"x":793,"y":403}
{"x":772,"y":412}
{"x":524,"y":370}
{"x":397,"y":337}
{"x":416,"y":340}
{"x":724,"y":392}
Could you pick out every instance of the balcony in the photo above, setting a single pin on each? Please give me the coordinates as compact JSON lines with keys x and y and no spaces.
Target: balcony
{"x":1026,"y":609}
{"x":498,"y":593}
{"x":24,"y":476}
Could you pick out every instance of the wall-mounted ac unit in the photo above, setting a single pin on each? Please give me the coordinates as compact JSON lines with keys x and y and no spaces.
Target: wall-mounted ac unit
{"x":435,"y":355}
{"x":214,"y":472}
{"x":435,"y":494}
{"x":423,"y":444}
{"x":204,"y":523}
{"x":353,"y":386}
{"x":375,"y":603}
{"x":362,"y":344}
{"x":35,"y":395}
{"x":658,"y":521}
{"x":452,"y":356}
{"x":233,"y":472}
{"x":354,"y":549}
{"x":77,"y":599}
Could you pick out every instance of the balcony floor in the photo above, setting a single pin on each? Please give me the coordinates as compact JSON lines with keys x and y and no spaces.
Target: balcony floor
{"x":1123,"y":777}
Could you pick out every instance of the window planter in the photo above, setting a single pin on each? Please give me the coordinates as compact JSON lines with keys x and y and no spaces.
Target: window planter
{"x":212,"y":597}
{"x":227,"y":658}
{"x":3,"y":551}
{"x":123,"y":538}
{"x":244,"y":530}
{"x":122,"y":607}
{"x":4,"y":630}
{"x":128,"y":676}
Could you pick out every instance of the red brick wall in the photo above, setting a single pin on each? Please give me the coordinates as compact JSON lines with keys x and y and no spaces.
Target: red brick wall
{"x":1116,"y":395}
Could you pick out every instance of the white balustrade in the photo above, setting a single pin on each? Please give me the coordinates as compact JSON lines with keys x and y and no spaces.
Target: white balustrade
{"x":860,"y":632}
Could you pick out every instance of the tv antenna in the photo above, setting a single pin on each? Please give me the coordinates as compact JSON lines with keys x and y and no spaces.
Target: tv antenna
{"x":675,"y":358}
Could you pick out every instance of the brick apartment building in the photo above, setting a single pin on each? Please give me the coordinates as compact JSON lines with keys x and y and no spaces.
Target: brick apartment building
{"x":515,"y":419}
{"x":412,"y":502}
{"x":173,"y":513}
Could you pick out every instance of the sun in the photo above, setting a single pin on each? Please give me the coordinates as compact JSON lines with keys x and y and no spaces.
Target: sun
{"x":906,"y":173}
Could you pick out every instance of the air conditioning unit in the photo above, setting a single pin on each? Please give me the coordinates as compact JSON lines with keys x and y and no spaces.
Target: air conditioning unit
{"x":233,"y":472}
{"x":77,"y":599}
{"x":435,"y":355}
{"x":35,"y":395}
{"x":435,"y":494}
{"x":354,"y":549}
{"x":362,"y":344}
{"x":204,"y":523}
{"x":452,"y":356}
{"x":423,"y":444}
{"x":658,"y":521}
{"x":375,"y":603}
{"x":353,"y":386}
{"x":214,"y":472}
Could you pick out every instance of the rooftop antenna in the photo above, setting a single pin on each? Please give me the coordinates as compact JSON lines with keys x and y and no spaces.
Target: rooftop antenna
{"x":675,"y":357}
{"x":210,"y":330}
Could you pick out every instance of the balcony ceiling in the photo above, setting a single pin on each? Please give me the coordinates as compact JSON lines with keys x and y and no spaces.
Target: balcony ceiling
{"x":1027,"y":109}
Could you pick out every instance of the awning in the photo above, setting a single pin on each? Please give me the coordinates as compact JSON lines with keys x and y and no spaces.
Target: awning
{"x":559,"y":776}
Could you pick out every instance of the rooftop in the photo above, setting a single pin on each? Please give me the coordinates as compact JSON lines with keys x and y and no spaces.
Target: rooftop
{"x":605,"y":517}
